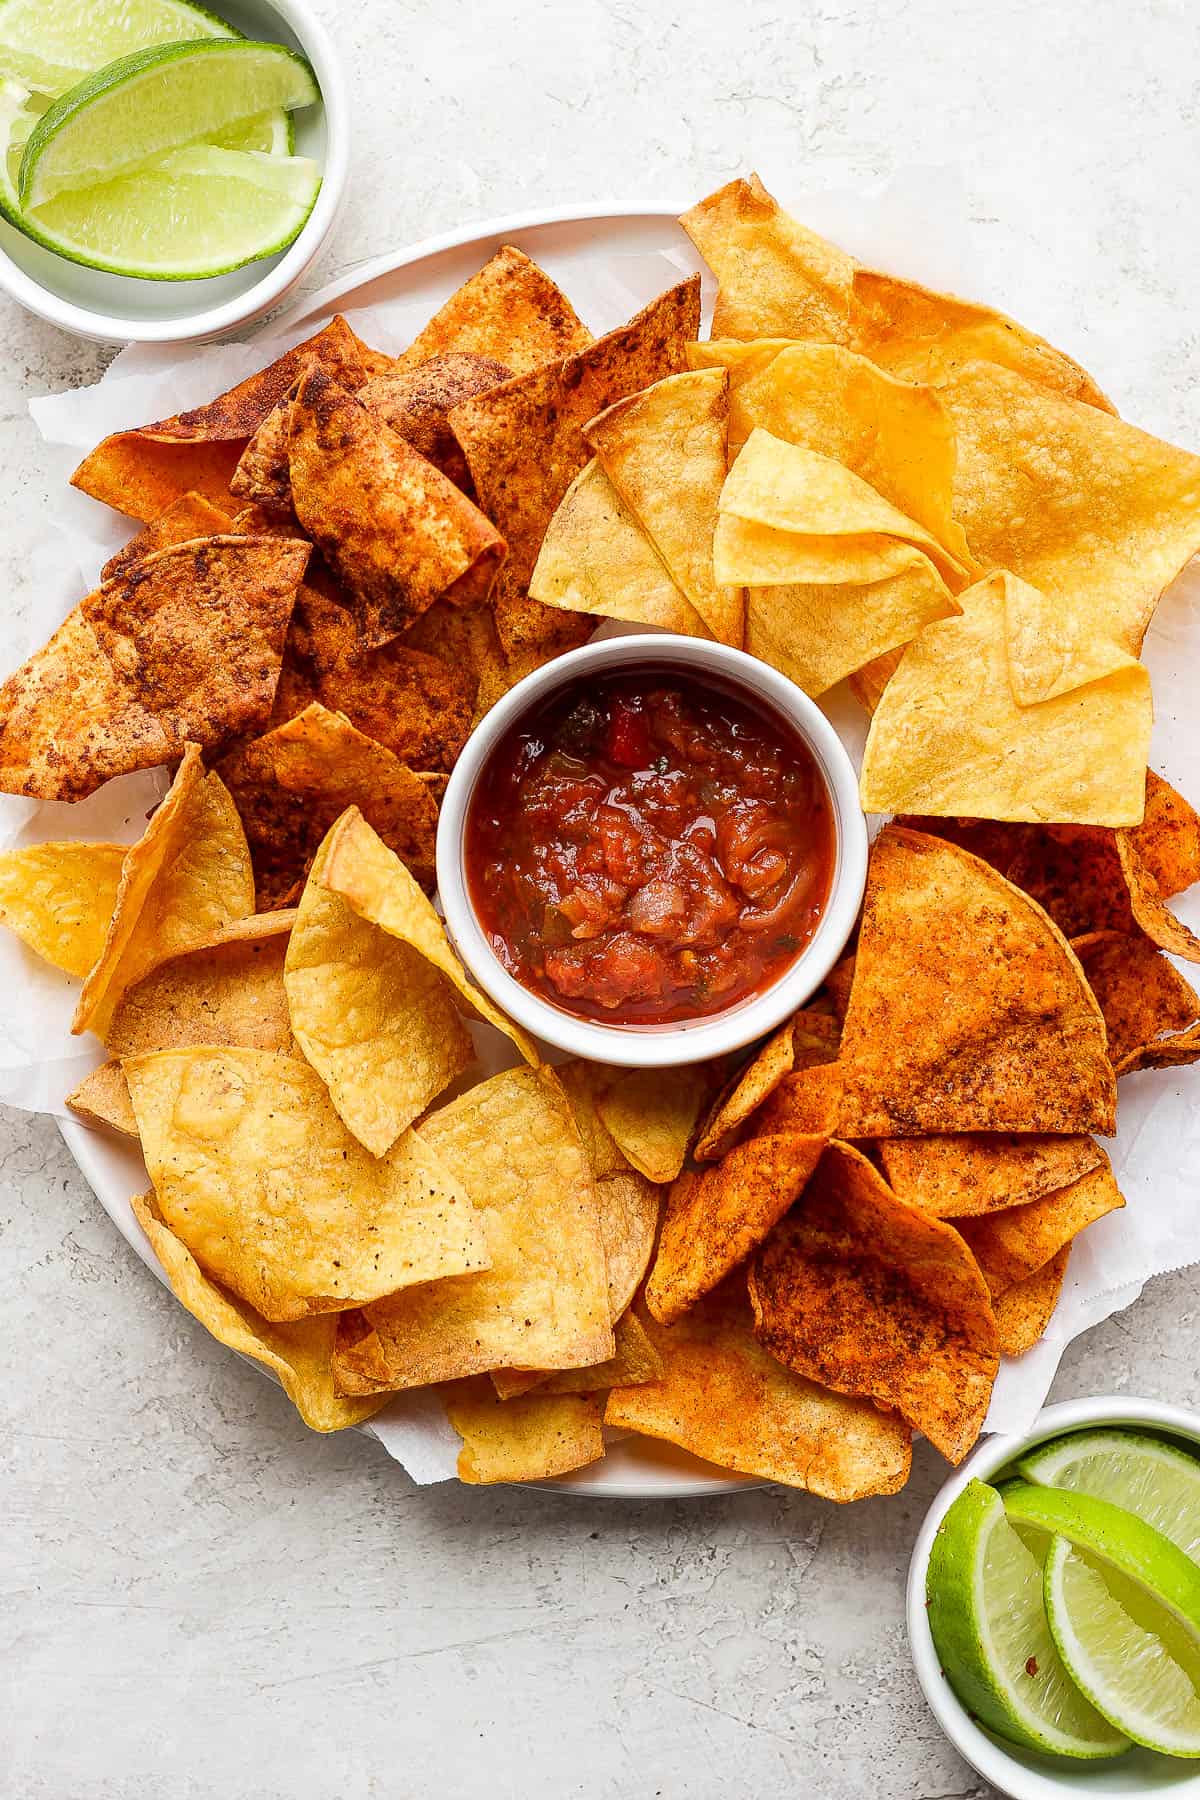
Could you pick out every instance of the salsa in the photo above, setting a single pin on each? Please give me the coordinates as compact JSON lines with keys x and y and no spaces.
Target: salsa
{"x":644,"y":848}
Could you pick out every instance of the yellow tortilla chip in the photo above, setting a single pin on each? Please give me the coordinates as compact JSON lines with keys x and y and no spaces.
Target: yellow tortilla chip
{"x":1024,"y":1310}
{"x":227,"y":989}
{"x":186,"y":877}
{"x":807,"y":1038}
{"x":716,"y":1217}
{"x":59,"y":898}
{"x":376,"y":1020}
{"x":723,"y":1397}
{"x":293,"y":783}
{"x":524,"y":446}
{"x":275,"y":1199}
{"x":1145,"y":1001}
{"x":185,"y":648}
{"x":776,"y":278}
{"x":583,"y":1082}
{"x":1010,"y":1245}
{"x":543,"y":1301}
{"x":652,"y":1114}
{"x":361,"y":869}
{"x":510,"y":310}
{"x":396,"y":533}
{"x":191,"y":516}
{"x":868,"y":1295}
{"x":969,"y":1011}
{"x":963,"y":1174}
{"x":525,"y":1439}
{"x":947,"y":737}
{"x":298,"y":1354}
{"x":596,"y":559}
{"x":102,"y":1098}
{"x":1052,"y":652}
{"x":664,"y":451}
{"x":634,"y":1360}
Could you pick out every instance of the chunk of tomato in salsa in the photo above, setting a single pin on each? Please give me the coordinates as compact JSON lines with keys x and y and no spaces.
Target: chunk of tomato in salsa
{"x":647,"y":848}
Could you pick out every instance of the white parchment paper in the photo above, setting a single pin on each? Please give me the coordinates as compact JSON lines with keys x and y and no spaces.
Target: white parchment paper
{"x":916,"y":225}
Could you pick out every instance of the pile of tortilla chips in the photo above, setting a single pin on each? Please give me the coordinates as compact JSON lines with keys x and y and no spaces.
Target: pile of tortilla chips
{"x":786,"y":1263}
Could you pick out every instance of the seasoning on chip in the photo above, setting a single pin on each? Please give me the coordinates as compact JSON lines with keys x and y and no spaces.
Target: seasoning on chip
{"x":1167,"y":842}
{"x":965,"y":1174}
{"x":59,"y":898}
{"x":186,"y":877}
{"x":510,"y":310}
{"x":776,"y":278}
{"x":716,"y":1217}
{"x":858,"y":1290}
{"x":397,"y":534}
{"x":256,"y":1174}
{"x":803,"y":1041}
{"x":191,"y":516}
{"x":376,"y":1020}
{"x":1146,"y":904}
{"x":1145,"y":1001}
{"x":1024,"y":1310}
{"x":530,"y":1438}
{"x":297,"y":1353}
{"x":543,"y":1302}
{"x":416,"y":401}
{"x":1013,"y":1244}
{"x":225,"y":989}
{"x":186,"y":646}
{"x":969,"y":1011}
{"x":102,"y":1098}
{"x":723,"y":1397}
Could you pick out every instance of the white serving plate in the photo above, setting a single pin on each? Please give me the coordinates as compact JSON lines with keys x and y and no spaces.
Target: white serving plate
{"x":564,"y":242}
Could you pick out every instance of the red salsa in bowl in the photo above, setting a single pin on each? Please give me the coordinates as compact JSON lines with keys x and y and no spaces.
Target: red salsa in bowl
{"x":646,"y":848}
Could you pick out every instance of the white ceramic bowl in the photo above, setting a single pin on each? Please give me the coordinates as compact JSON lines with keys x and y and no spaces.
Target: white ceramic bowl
{"x":659,"y":1046}
{"x":117,"y":309}
{"x":1020,"y":1774}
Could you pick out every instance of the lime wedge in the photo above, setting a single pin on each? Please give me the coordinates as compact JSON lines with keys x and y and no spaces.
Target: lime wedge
{"x":1133,"y":1659}
{"x":49,"y":45}
{"x":271,"y":132}
{"x":195,"y":212}
{"x":157,"y":100}
{"x":1155,"y":1480}
{"x":16,"y":123}
{"x":988,"y":1620}
{"x":1117,"y":1538}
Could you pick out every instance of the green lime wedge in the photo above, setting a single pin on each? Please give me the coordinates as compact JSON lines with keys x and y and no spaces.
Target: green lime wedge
{"x":136,"y":109}
{"x":1116,"y":1537}
{"x":1134,"y":1660}
{"x":1155,"y":1480}
{"x":195,"y":212}
{"x":271,"y":132}
{"x":16,"y":123}
{"x":988,"y":1619}
{"x":49,"y":45}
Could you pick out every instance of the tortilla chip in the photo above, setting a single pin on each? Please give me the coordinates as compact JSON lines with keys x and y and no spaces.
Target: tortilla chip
{"x":868,"y":1295}
{"x":191,"y":516}
{"x":1013,"y":1244}
{"x":724,"y":1398}
{"x":59,"y":898}
{"x":717,"y":1217}
{"x":867,"y":684}
{"x":652,"y":1114}
{"x":258,"y":1176}
{"x":298,"y":1354}
{"x":465,"y":639}
{"x":415,"y":401}
{"x":370,"y":878}
{"x":185,"y":647}
{"x":634,"y":1360}
{"x":664,"y":451}
{"x":805,"y":1102}
{"x":969,"y":1011}
{"x":187,"y":876}
{"x":1052,"y":651}
{"x":510,"y":310}
{"x":776,"y":278}
{"x":1146,"y":904}
{"x":806,"y":1039}
{"x":543,"y":1302}
{"x":596,"y":559}
{"x":227,"y":989}
{"x":292,"y":784}
{"x":1142,"y":996}
{"x":143,"y":472}
{"x":1024,"y":1310}
{"x":947,"y":736}
{"x":264,"y":474}
{"x":1167,"y":841}
{"x":528,"y":1439}
{"x":583,"y":1082}
{"x":102,"y":1098}
{"x":397,"y":534}
{"x":964,"y":1174}
{"x":375,"y":1019}
{"x":524,"y":446}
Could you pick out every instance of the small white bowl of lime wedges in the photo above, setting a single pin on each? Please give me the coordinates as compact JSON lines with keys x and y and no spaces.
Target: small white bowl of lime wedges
{"x":167,"y":172}
{"x":1054,"y":1604}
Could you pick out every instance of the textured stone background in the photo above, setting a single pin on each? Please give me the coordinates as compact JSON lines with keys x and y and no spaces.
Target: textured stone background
{"x":200,"y":1598}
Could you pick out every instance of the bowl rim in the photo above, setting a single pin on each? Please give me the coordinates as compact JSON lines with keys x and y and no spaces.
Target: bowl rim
{"x":673,"y":1045}
{"x":986,"y":1755}
{"x":276,"y":282}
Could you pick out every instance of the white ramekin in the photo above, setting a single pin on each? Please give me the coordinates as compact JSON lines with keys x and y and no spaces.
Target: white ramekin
{"x":659,"y":1046}
{"x":115,"y":309}
{"x":1020,"y":1774}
